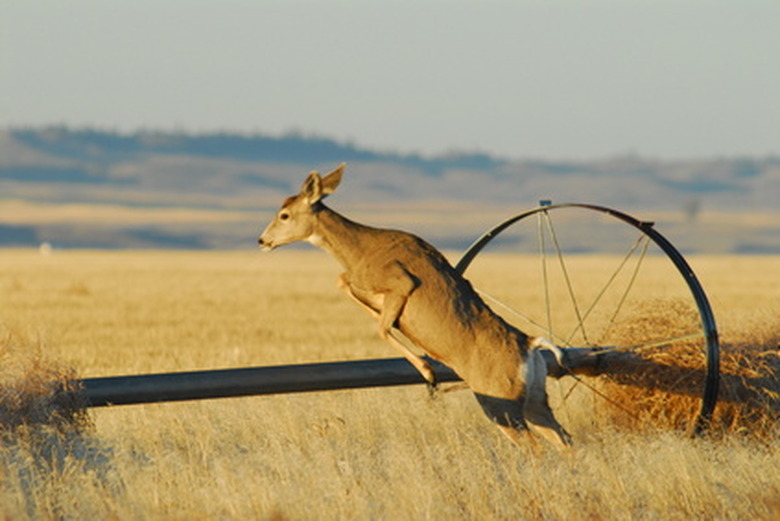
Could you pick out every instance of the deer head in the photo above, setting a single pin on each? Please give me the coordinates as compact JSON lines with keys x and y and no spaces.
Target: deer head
{"x":296,"y":219}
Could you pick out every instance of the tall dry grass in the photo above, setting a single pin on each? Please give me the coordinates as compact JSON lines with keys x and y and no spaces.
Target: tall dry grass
{"x":363,"y":454}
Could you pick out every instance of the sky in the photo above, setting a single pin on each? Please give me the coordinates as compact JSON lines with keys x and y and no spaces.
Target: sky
{"x":556,"y":79}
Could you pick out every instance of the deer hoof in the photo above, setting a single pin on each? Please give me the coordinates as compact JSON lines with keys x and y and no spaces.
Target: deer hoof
{"x":433,"y":389}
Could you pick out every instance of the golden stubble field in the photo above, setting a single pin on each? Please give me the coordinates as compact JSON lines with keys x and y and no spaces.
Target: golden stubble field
{"x":389,"y":453}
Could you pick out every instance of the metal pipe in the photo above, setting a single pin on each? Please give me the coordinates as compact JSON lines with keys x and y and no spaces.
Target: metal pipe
{"x":223,"y":383}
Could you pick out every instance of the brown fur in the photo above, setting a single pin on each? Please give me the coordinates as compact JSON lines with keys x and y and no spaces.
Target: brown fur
{"x":408,"y":285}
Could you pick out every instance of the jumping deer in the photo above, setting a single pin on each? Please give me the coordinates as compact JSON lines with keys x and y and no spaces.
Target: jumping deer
{"x":409,"y":287}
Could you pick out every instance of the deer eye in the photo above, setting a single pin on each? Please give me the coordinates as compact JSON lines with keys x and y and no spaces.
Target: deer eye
{"x":284,"y":216}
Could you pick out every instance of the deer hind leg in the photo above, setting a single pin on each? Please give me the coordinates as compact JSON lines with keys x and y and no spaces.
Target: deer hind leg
{"x":391,"y":310}
{"x":507,"y":414}
{"x":536,"y":408}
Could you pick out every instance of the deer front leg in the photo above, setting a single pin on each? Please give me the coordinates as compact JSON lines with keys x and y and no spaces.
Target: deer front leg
{"x":344,"y":285}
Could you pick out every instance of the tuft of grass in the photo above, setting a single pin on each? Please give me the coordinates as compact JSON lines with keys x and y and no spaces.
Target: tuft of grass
{"x":35,"y":390}
{"x":46,"y":451}
{"x":661,"y":387}
{"x":749,"y":400}
{"x":658,"y":387}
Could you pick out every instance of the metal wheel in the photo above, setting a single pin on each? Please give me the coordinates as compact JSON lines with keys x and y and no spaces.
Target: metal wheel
{"x":588,"y":276}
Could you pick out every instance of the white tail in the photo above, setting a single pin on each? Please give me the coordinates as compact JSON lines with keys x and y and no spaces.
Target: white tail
{"x":406,"y":284}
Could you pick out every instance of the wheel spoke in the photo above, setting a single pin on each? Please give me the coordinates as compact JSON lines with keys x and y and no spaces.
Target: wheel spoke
{"x":596,"y":391}
{"x":642,"y":239}
{"x":630,"y":284}
{"x":663,"y":342}
{"x":518,"y":314}
{"x":567,"y":279}
{"x":545,"y":279}
{"x":651,"y":344}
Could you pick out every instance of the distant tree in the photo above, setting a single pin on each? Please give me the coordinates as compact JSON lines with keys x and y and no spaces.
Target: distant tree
{"x":691,"y":209}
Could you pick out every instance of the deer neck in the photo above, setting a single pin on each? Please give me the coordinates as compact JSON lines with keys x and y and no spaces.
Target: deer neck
{"x":343,"y":238}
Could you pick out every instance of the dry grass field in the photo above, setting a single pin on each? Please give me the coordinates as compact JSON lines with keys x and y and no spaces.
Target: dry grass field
{"x":391,"y":453}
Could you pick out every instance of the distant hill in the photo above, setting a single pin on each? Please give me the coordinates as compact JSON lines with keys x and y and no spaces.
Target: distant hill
{"x":53,"y":178}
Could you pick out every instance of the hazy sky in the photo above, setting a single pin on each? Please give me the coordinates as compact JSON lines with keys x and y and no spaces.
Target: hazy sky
{"x":545,"y":79}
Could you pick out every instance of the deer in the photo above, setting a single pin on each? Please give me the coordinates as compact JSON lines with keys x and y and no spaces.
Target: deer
{"x":417,"y":297}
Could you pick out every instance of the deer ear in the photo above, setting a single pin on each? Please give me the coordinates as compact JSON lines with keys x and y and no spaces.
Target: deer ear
{"x":312,"y":187}
{"x":331,"y":181}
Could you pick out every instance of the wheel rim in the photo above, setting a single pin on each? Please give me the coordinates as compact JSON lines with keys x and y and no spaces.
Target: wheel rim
{"x":615,"y":290}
